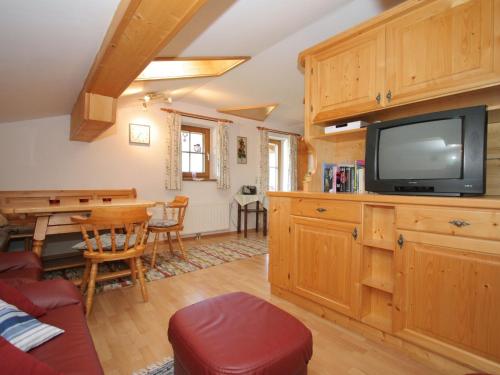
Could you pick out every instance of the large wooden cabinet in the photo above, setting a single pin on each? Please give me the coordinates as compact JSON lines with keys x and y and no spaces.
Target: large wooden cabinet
{"x":448,"y":290}
{"x":349,"y":77}
{"x":417,"y":51}
{"x":440,"y":48}
{"x":421,"y":270}
{"x":325,"y":258}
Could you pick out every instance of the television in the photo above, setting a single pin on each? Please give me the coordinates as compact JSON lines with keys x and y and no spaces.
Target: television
{"x":440,"y":153}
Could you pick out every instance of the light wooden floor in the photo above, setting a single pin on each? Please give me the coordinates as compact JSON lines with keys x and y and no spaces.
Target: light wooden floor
{"x":130,"y":334}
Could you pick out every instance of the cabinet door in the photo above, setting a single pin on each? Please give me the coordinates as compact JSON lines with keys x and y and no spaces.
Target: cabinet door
{"x":325,"y":263}
{"x":447,"y":291}
{"x":348,"y":77}
{"x":279,"y":242}
{"x":441,"y":48}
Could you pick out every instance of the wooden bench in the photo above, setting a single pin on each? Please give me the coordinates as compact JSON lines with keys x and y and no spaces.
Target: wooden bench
{"x":23,"y":224}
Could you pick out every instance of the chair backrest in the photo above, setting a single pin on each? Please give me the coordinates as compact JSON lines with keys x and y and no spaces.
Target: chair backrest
{"x":180,"y":204}
{"x":134,"y":220}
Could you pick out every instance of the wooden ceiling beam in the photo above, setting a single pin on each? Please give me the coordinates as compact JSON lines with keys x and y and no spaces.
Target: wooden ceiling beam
{"x":140,"y":29}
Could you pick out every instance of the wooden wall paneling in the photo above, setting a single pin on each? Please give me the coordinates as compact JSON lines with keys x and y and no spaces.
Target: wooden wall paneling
{"x":137,"y":33}
{"x":493,"y":154}
{"x":493,"y":177}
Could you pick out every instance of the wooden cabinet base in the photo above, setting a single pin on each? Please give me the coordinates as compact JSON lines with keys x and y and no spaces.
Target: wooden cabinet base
{"x":430,"y":358}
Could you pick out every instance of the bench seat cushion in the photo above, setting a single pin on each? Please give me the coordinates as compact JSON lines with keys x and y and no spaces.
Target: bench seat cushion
{"x":106,"y":242}
{"x":162,"y":223}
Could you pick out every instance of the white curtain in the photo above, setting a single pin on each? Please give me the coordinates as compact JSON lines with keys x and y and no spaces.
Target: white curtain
{"x":173,"y":168}
{"x":264,"y":161}
{"x":292,"y":165}
{"x":222,"y":156}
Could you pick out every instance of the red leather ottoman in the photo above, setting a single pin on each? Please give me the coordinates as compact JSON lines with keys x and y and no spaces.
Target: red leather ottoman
{"x":238,"y":333}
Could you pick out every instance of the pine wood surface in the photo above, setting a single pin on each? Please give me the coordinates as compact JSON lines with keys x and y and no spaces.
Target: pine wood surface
{"x":130,"y":334}
{"x":453,"y":272}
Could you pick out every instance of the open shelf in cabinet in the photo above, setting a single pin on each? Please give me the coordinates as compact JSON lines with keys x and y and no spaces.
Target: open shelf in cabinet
{"x":378,"y":226}
{"x":376,"y":308}
{"x":347,"y":134}
{"x":377,"y":269}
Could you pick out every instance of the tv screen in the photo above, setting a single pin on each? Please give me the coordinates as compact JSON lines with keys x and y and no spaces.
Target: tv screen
{"x":422,"y":151}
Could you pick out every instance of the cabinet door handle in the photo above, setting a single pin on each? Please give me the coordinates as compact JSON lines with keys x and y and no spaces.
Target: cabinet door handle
{"x":389,"y":96}
{"x":401,"y":241}
{"x":378,"y":98}
{"x":459,"y":223}
{"x":355,"y":233}
{"x":321,"y":209}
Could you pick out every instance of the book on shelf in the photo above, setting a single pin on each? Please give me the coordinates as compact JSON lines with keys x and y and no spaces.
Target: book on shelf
{"x":347,"y":177}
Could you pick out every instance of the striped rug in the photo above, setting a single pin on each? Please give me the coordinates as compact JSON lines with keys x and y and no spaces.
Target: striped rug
{"x":168,"y":265}
{"x":165,"y":367}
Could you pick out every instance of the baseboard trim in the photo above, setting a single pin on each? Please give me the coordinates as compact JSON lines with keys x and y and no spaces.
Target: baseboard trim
{"x":194,"y":237}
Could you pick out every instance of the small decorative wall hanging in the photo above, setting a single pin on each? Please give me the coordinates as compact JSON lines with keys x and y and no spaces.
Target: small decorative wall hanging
{"x":138,"y":134}
{"x":242,"y":150}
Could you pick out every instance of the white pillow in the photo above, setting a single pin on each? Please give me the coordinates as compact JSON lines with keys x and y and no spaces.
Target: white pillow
{"x":22,"y":330}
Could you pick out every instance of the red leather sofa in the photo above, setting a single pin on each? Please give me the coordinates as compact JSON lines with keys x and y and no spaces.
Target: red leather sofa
{"x":22,"y":267}
{"x":73,"y":351}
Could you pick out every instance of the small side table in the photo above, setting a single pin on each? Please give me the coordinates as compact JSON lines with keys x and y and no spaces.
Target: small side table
{"x":258,"y":210}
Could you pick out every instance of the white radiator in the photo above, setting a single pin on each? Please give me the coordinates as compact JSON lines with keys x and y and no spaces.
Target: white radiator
{"x":206,"y":217}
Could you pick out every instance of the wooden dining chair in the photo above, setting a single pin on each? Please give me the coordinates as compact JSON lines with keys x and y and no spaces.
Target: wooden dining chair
{"x":112,"y":246}
{"x":169,"y":223}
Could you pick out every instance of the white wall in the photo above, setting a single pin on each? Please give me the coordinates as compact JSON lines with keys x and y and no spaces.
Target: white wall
{"x":37,"y":154}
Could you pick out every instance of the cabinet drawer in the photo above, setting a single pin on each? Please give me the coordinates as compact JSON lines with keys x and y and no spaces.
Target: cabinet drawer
{"x":327,"y":209}
{"x":458,"y":222}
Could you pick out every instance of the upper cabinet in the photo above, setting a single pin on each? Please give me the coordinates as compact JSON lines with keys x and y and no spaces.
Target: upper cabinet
{"x":419,"y":50}
{"x":349,"y":77}
{"x":441,"y":48}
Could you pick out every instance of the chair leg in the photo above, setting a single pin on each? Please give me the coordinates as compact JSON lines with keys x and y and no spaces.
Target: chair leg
{"x":155,"y":249}
{"x":140,"y":272}
{"x":90,"y":293}
{"x":170,"y":245}
{"x":85,"y":276}
{"x":133,"y":270}
{"x":183,"y":251}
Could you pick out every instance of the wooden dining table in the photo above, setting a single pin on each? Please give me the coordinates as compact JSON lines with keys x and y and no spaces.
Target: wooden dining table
{"x":56,"y":218}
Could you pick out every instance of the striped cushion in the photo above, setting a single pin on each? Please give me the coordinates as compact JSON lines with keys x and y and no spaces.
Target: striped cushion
{"x":162,"y":223}
{"x":22,"y":330}
{"x":106,"y":242}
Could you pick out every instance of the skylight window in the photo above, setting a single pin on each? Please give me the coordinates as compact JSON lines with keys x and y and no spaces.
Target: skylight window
{"x":174,"y":68}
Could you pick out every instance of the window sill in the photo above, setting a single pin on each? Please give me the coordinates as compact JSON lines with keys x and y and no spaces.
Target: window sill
{"x":198,"y":179}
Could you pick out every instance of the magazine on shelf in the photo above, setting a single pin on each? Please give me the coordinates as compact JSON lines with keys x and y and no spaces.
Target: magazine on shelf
{"x":346,"y":177}
{"x":329,"y":183}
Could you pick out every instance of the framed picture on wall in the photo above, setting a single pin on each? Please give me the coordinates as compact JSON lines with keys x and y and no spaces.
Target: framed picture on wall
{"x":241,"y":144}
{"x":138,"y":134}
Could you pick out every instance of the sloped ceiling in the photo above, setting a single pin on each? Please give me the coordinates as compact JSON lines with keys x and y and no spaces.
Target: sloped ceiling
{"x":272,"y":33}
{"x":47,"y":48}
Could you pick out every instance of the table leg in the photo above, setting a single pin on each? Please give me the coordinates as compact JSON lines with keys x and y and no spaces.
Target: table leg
{"x":39,"y":236}
{"x":257,"y":217}
{"x":265,"y":222}
{"x":245,"y":229}
{"x":239,"y":218}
